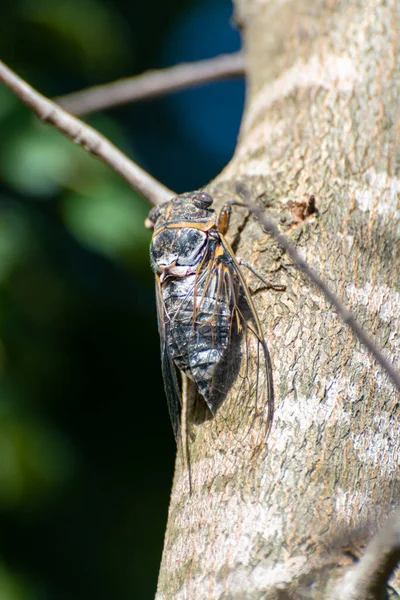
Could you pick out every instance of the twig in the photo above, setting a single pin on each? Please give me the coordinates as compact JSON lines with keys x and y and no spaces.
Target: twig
{"x":345,"y":314}
{"x":152,"y":83}
{"x":367,"y":579}
{"x":156,"y":193}
{"x":87,"y":137}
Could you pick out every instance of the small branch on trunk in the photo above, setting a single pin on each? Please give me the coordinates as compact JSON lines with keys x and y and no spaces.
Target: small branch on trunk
{"x":87,"y":137}
{"x":368,"y":578}
{"x":152,"y":84}
{"x":156,"y":193}
{"x":345,"y":314}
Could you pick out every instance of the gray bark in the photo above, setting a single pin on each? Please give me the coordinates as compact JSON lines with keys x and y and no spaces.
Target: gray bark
{"x":322,"y":119}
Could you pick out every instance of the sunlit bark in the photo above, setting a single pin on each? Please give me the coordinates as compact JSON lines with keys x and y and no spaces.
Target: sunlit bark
{"x":321,"y":119}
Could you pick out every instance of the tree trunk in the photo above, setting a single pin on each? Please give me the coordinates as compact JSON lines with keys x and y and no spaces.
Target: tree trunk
{"x":322,"y":120}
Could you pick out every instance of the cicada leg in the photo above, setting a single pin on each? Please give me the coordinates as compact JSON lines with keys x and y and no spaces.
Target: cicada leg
{"x":224,"y":216}
{"x":223,"y":225}
{"x":269,"y":284}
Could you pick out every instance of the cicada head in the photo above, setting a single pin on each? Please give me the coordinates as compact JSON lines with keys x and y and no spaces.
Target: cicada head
{"x":191,"y":206}
{"x":180,"y":233}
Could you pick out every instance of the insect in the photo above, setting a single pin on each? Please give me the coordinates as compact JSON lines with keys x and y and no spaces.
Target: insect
{"x":209,"y":330}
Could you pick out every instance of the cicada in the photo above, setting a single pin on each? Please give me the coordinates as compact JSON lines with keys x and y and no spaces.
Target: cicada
{"x":209,"y":329}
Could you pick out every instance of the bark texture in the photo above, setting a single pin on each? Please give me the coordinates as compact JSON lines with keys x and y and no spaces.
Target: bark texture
{"x":321,"y":119}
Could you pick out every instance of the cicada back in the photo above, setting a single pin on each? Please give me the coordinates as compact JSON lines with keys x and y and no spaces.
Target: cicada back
{"x":208,"y":325}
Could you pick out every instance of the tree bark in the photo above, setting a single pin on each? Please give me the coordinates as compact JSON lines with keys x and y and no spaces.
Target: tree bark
{"x":322,"y":120}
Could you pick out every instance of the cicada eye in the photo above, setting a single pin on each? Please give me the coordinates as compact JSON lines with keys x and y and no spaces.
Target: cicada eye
{"x":152,"y":217}
{"x":202,"y":200}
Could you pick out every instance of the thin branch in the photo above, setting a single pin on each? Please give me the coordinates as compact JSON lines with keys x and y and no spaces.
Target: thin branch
{"x":345,"y":314}
{"x":368,"y":578}
{"x":156,"y":193}
{"x":87,"y":137}
{"x":152,"y":83}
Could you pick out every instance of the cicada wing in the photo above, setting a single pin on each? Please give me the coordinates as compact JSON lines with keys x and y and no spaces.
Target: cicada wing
{"x":221,"y":348}
{"x":169,"y":371}
{"x":214,"y":335}
{"x":256,"y":354}
{"x":240,"y":393}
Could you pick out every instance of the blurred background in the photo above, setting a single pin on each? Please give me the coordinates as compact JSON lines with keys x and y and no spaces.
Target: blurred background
{"x":86,"y":447}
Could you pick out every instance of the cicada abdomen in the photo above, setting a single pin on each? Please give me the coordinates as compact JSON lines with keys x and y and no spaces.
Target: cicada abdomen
{"x":208,"y":325}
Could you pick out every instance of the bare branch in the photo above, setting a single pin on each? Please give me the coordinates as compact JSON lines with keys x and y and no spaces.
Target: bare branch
{"x":345,"y":314}
{"x":367,"y":579}
{"x":152,"y":83}
{"x":156,"y":193}
{"x":87,"y":137}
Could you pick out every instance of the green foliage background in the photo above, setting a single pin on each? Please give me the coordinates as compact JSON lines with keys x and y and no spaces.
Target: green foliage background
{"x":86,"y":449}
